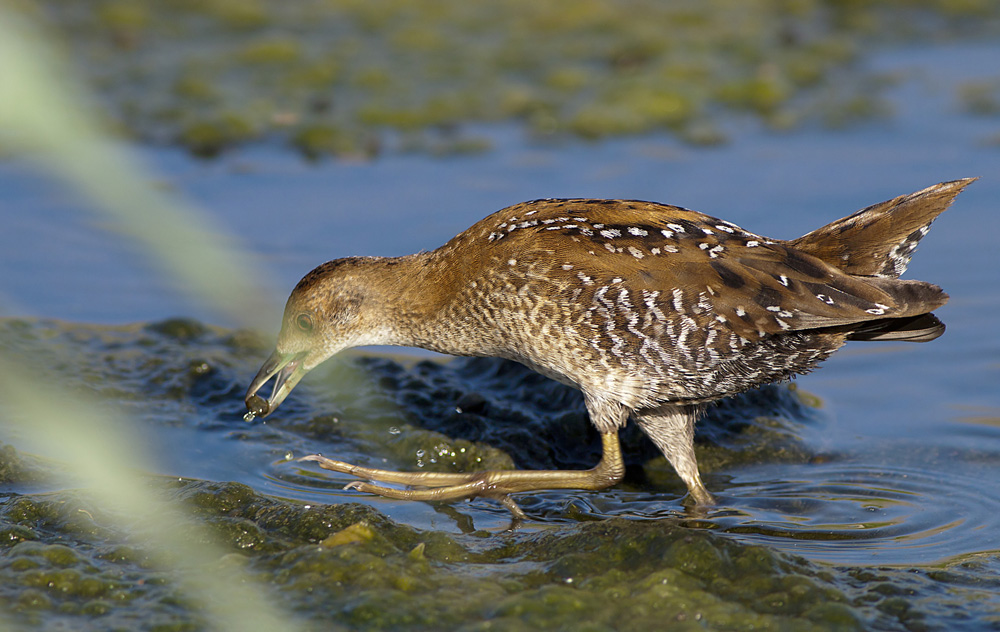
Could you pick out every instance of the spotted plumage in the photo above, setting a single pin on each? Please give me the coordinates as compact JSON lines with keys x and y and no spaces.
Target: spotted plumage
{"x":650,"y":310}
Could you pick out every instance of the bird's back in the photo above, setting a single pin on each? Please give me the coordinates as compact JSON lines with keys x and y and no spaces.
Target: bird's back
{"x":658,"y":303}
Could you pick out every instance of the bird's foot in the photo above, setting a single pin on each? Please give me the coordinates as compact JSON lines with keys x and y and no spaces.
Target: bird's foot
{"x":495,"y":484}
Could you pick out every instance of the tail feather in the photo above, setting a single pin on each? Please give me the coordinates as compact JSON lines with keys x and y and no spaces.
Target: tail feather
{"x":911,"y":298}
{"x":879,"y":240}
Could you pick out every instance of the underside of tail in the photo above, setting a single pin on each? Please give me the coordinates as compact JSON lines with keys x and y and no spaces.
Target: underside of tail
{"x":922,"y":328}
{"x":879,"y":240}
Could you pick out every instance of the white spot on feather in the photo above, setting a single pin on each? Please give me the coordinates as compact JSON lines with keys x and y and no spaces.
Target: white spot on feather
{"x":678,"y":299}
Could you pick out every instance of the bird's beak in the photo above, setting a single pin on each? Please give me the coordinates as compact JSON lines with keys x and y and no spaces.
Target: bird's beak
{"x":288,"y":369}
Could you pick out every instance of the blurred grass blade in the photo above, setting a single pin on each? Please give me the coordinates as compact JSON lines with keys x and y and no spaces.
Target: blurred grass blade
{"x":102,"y":453}
{"x":42,"y":114}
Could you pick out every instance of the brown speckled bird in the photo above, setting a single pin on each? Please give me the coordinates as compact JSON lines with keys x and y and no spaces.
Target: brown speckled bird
{"x":651,"y":310}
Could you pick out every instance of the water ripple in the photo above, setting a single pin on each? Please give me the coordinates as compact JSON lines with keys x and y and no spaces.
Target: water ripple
{"x":841,"y":513}
{"x":847,"y":513}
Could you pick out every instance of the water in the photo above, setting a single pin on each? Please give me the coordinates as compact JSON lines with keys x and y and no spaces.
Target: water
{"x":901,"y":457}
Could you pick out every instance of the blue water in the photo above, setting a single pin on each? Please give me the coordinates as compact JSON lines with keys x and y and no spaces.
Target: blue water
{"x":916,"y":428}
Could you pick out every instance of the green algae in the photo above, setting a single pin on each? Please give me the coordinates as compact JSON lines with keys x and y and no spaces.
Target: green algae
{"x":207,"y":138}
{"x":331,"y":77}
{"x":611,"y":574}
{"x":17,"y":467}
{"x":66,"y":561}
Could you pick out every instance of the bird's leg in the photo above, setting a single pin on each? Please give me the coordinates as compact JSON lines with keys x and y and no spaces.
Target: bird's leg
{"x":497,"y":484}
{"x":672,"y":430}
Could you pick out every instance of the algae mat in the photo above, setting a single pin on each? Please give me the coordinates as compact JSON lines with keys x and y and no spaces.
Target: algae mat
{"x":332,"y":77}
{"x":66,"y":560}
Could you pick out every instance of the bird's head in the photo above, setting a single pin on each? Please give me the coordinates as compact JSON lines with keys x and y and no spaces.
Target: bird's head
{"x":328,"y":311}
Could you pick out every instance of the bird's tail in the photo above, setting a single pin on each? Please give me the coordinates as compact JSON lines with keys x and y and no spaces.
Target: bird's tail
{"x":879,"y":240}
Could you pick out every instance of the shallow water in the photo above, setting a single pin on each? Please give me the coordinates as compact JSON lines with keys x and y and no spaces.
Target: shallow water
{"x":888,"y":456}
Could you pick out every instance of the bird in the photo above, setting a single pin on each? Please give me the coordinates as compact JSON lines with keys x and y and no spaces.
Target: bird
{"x":652,"y":311}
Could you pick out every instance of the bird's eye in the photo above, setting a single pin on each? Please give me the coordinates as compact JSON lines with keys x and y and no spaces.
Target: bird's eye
{"x":304,"y":322}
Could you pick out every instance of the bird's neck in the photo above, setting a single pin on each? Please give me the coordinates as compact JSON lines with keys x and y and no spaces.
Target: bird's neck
{"x":411,"y":296}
